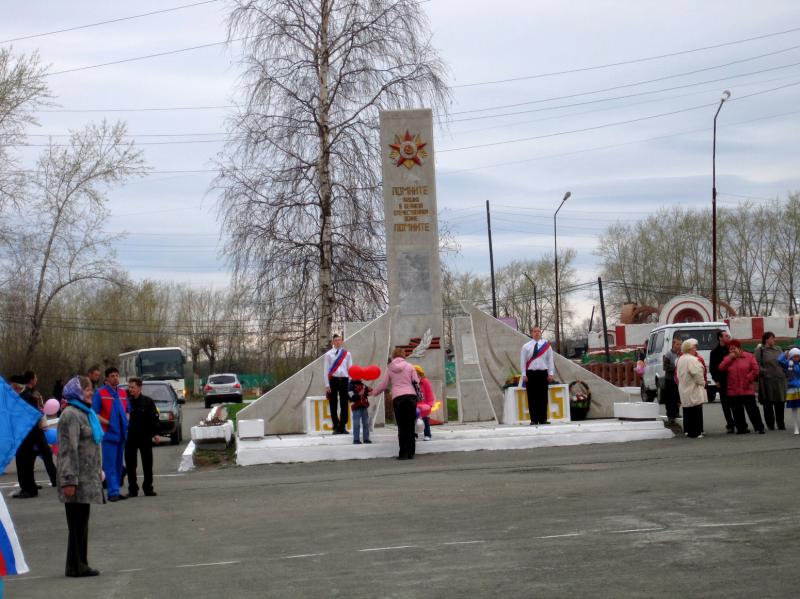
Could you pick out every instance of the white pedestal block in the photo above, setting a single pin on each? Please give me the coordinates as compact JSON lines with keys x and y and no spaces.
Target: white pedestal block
{"x":515,"y":406}
{"x":318,"y":415}
{"x":251,"y":429}
{"x":636,"y":410}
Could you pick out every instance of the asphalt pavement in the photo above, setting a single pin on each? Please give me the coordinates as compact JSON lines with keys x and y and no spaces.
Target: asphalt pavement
{"x":712,"y":517}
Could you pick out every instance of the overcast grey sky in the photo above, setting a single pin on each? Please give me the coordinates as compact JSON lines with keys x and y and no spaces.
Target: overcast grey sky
{"x":524,"y":161}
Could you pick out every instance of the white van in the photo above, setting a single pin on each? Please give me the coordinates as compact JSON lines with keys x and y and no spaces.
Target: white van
{"x":660,"y":342}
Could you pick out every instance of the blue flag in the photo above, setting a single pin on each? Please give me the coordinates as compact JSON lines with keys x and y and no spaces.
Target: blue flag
{"x":17,"y":418}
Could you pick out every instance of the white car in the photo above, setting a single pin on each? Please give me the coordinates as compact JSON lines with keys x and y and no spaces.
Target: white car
{"x":660,"y":342}
{"x":222,"y":388}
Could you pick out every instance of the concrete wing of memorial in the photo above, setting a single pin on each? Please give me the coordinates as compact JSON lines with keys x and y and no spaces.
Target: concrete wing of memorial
{"x":283,"y":408}
{"x":496,"y":348}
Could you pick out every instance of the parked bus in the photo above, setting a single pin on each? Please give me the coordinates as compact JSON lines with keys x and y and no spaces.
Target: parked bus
{"x":155,"y":364}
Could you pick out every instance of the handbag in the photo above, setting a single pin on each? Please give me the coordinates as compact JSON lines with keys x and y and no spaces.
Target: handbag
{"x":418,"y":391}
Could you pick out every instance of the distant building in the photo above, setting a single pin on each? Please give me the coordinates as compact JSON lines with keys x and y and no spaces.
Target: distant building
{"x":638,"y":321}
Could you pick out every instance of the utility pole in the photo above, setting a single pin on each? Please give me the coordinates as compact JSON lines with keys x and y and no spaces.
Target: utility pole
{"x":725,"y":95}
{"x":555,"y":257}
{"x":491,"y":259}
{"x":535,"y":300}
{"x":603,"y":316}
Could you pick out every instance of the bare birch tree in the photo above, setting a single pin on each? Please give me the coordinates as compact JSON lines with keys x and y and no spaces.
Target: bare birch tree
{"x":301,"y":182}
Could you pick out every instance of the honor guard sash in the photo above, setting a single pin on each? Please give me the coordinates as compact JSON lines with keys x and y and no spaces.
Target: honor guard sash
{"x":537,"y":353}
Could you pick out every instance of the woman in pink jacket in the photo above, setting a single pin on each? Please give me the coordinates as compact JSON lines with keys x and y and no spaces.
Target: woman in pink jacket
{"x":742,"y":370}
{"x":401,"y":376}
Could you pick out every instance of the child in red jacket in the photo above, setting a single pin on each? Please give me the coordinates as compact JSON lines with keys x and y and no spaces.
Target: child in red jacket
{"x":359,"y":406}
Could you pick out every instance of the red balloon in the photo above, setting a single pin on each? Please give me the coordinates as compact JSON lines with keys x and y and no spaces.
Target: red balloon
{"x":372,"y":372}
{"x":356,"y":372}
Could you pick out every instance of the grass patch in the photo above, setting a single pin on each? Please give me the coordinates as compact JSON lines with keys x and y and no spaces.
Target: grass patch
{"x":234,"y":409}
{"x":214,"y":458}
{"x":452,"y":409}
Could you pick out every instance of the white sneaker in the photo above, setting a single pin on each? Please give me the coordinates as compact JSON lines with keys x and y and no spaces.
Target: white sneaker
{"x":796,"y":432}
{"x":700,"y":436}
{"x":426,"y":438}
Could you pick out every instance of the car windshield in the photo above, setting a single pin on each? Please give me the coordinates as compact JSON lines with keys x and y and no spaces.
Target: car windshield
{"x":706,"y":338}
{"x":222,"y":379}
{"x":161,"y":364}
{"x":161,"y":394}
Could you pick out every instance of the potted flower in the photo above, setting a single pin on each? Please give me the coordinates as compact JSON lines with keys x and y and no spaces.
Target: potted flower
{"x":580,"y":400}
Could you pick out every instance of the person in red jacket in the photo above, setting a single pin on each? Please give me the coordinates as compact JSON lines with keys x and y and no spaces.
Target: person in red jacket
{"x":742,"y":373}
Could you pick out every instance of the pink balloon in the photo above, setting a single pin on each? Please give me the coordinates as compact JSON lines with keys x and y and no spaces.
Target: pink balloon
{"x":51,"y":407}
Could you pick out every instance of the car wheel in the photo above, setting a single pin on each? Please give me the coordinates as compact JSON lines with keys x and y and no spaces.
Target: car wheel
{"x":646,"y":395}
{"x":208,"y":404}
{"x":174,"y":438}
{"x":711,"y":392}
{"x":180,"y":430}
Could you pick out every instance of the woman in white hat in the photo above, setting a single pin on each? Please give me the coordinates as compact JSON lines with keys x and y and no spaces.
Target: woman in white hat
{"x":791,"y":362}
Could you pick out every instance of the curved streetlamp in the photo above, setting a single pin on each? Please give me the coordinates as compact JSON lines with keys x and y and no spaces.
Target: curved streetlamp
{"x":555,"y":246}
{"x":725,"y":95}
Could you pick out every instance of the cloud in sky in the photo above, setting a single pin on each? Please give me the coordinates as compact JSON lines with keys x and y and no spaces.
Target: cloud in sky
{"x":624,"y":171}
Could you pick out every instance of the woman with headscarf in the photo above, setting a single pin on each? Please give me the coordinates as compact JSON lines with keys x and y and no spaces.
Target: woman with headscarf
{"x":742,"y":373}
{"x":771,"y":381}
{"x":79,"y":470}
{"x":403,"y":380}
{"x":691,"y":373}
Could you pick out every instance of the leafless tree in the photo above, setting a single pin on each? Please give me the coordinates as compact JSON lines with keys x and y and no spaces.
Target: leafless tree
{"x":22,"y":90}
{"x":301,"y":196}
{"x":59,"y":239}
{"x":669,"y":253}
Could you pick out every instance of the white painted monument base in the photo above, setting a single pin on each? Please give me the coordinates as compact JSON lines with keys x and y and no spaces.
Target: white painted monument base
{"x":222,"y":432}
{"x":251,"y":429}
{"x":187,"y":458}
{"x":636,"y":410}
{"x":279,"y":449}
{"x":515,"y":405}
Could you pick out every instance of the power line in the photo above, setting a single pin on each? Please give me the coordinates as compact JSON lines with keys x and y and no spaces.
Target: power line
{"x":136,"y":58}
{"x":613,"y":98}
{"x":97,"y":24}
{"x":627,"y":62}
{"x":613,"y":124}
{"x":638,"y":83}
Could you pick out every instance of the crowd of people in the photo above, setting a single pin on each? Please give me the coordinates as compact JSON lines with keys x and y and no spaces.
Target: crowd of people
{"x":102,"y":430}
{"x":769,"y":376}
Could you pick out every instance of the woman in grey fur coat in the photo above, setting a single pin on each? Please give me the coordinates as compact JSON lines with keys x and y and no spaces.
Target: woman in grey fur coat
{"x":79,"y":470}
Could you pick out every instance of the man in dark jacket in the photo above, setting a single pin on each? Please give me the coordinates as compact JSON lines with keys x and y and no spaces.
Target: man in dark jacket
{"x":717,"y":355}
{"x":141,"y":430}
{"x":26,"y":453}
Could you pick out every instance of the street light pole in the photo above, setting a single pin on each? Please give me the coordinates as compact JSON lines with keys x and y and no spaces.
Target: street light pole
{"x":725,"y":95}
{"x":555,"y":247}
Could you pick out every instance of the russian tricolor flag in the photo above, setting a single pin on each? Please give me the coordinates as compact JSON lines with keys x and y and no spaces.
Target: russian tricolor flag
{"x":16,"y":420}
{"x":11,"y":559}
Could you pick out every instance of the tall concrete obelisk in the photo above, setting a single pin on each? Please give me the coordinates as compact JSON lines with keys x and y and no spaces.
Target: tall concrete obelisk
{"x":412,"y":239}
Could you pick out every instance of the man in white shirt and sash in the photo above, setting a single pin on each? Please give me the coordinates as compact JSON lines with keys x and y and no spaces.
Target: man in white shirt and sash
{"x":337,"y":364}
{"x":537,"y":368}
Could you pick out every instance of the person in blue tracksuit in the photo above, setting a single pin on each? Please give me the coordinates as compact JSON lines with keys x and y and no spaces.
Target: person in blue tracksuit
{"x":112,"y":407}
